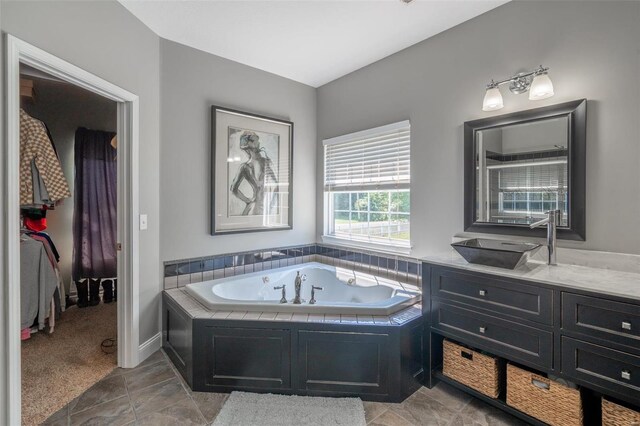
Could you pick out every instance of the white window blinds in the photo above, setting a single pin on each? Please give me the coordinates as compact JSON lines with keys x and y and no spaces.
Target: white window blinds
{"x":375,"y":159}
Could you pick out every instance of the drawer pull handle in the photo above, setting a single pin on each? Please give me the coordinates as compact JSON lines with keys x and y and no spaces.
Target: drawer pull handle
{"x":483,"y":292}
{"x":466,"y":355}
{"x":482,"y":330}
{"x":540,"y":384}
{"x":626,"y":374}
{"x":626,"y":325}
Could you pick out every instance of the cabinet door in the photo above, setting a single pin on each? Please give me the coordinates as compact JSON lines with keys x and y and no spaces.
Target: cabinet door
{"x":338,"y":362}
{"x":605,"y":319}
{"x":247,"y":357}
{"x":497,"y":295}
{"x":511,"y":340}
{"x":615,"y":372}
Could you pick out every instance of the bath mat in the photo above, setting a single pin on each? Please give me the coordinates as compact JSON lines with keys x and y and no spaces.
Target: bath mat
{"x":249,"y":409}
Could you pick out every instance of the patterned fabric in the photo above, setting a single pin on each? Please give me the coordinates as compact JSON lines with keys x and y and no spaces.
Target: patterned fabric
{"x":35,"y":145}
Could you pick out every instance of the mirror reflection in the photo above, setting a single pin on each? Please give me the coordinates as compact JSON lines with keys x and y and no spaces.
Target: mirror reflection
{"x":522,"y":171}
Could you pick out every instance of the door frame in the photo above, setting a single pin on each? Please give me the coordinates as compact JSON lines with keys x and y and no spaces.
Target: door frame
{"x":19,"y":52}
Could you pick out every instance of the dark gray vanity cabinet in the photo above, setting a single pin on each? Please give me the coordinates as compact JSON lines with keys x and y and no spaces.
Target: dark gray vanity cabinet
{"x":601,"y":344}
{"x":509,"y":318}
{"x":590,"y":339}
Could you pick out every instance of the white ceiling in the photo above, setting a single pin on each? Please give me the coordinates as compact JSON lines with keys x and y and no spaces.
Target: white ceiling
{"x":310,"y":41}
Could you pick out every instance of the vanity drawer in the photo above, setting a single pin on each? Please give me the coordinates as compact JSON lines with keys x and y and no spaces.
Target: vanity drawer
{"x":501,"y":337}
{"x":502,"y":296}
{"x":612,"y":370}
{"x":614,"y":321}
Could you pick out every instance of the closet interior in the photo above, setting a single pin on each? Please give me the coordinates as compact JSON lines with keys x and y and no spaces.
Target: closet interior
{"x":68,"y":230}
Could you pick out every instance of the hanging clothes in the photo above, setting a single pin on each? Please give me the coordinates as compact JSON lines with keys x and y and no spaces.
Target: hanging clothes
{"x":36,"y":146}
{"x":50,"y":243}
{"x":94,"y":214}
{"x":38,"y":283}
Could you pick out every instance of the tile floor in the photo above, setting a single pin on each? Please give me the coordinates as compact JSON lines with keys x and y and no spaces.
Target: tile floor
{"x":155,"y":394}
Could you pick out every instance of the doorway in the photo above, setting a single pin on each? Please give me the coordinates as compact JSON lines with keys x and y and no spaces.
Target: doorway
{"x":20,"y":53}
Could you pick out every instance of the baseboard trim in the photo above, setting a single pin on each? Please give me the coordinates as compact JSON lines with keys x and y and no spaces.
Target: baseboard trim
{"x":148,"y":348}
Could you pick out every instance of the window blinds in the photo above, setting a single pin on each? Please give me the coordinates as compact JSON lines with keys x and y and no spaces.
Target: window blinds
{"x":545,"y":176}
{"x":375,"y":159}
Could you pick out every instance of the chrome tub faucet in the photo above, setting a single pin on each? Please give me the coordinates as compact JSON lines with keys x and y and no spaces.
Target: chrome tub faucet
{"x":313,"y":294}
{"x":552,"y":222}
{"x":283,"y":287}
{"x":298,"y":287}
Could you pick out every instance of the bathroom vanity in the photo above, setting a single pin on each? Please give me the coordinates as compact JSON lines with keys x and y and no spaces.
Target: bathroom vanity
{"x":576,"y":323}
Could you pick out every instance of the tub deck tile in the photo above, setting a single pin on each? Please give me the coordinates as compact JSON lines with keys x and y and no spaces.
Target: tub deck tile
{"x":365,"y":319}
{"x":332,"y":318}
{"x":284,"y":316}
{"x":349,"y":319}
{"x":407,"y":314}
{"x":221,"y":315}
{"x":383,"y":320}
{"x":252,"y":316}
{"x":297,"y":317}
{"x":196,"y":310}
{"x":268,"y":316}
{"x":201,"y":313}
{"x":236,"y":315}
{"x":316,"y":317}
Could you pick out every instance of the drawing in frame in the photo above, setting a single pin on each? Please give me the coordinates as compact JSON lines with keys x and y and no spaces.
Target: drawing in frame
{"x":251,"y":172}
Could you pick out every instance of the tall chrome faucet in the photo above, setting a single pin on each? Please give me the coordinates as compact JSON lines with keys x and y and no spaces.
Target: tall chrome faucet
{"x":298,"y":286}
{"x":552,"y":222}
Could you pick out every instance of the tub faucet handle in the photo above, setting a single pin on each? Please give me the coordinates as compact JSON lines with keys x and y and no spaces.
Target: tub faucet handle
{"x":283,"y":287}
{"x":313,"y":294}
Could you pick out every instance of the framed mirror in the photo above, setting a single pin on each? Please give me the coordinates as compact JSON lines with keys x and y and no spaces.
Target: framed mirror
{"x":519,"y":166}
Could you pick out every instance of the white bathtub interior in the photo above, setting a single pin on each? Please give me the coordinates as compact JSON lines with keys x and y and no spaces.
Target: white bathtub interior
{"x":366,"y":294}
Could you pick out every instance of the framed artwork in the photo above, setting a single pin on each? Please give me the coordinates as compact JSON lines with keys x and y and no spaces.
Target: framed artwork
{"x":251,"y":174}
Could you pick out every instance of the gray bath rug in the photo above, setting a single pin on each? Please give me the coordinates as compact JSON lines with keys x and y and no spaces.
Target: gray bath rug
{"x":249,"y":409}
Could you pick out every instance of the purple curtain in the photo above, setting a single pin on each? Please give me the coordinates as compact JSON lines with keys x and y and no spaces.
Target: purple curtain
{"x":94,"y":214}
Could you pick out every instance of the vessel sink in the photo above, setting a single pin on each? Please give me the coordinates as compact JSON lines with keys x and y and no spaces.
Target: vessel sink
{"x":502,"y":254}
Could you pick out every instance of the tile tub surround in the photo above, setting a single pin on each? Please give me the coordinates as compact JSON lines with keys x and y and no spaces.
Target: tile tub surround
{"x":399,"y":268}
{"x":602,"y":281}
{"x":110,"y":401}
{"x":198,"y":311}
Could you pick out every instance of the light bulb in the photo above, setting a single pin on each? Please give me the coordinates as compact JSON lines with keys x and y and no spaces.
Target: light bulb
{"x":541,"y":87}
{"x":492,"y":99}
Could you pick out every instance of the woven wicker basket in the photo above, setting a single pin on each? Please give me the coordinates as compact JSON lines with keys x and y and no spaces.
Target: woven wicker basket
{"x":478,"y":371}
{"x":544,"y":399}
{"x":617,"y":415}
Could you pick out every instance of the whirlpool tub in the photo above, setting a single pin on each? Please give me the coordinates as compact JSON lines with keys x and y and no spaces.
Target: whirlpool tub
{"x":255,"y":292}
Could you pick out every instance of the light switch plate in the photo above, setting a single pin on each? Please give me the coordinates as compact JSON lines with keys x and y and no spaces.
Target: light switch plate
{"x":143,"y":222}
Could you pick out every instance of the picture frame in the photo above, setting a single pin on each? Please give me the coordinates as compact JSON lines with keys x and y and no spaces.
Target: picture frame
{"x":251,"y":172}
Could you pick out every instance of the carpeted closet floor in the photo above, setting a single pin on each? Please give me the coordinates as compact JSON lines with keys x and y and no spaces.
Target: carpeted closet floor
{"x":59,"y":367}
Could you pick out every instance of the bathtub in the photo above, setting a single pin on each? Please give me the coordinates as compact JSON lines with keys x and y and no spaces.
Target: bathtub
{"x":254,"y":292}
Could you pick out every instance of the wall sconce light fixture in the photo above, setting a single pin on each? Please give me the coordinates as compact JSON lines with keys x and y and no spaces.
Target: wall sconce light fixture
{"x":536,"y":82}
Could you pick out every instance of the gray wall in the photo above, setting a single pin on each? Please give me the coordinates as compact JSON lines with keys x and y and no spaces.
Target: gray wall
{"x":593,"y":51}
{"x":106,"y":40}
{"x":192,"y":81}
{"x":536,"y":136}
{"x":64,"y":107}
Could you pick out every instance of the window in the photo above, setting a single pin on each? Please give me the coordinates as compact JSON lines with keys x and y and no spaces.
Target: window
{"x":366,"y":186}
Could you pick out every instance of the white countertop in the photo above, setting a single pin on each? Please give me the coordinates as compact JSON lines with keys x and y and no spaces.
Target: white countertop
{"x":597,"y":280}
